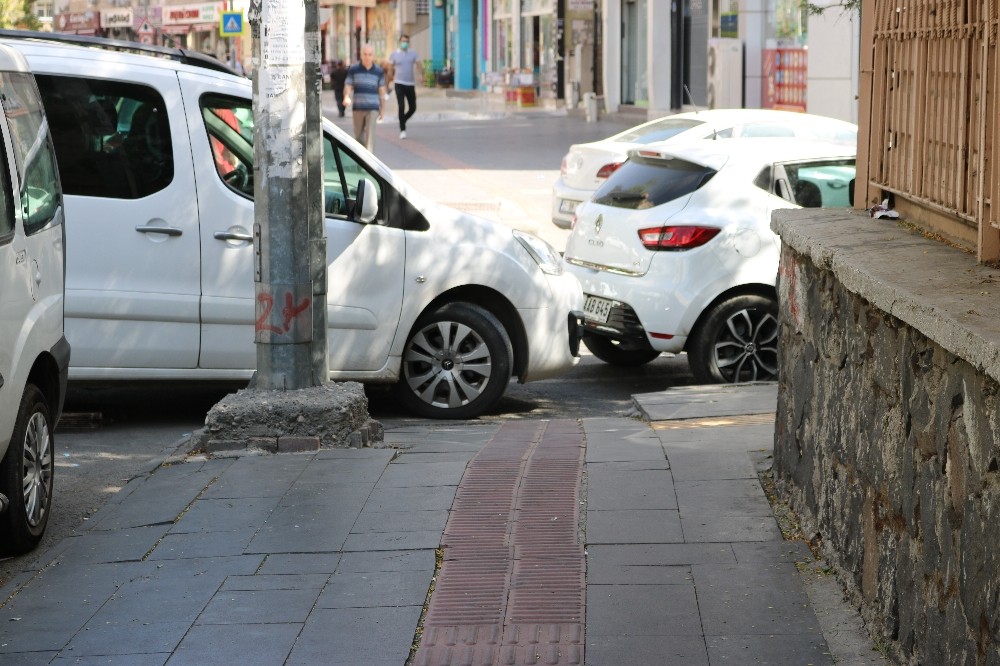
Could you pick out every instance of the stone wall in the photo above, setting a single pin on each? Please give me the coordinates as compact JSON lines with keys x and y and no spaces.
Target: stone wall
{"x":887,"y":439}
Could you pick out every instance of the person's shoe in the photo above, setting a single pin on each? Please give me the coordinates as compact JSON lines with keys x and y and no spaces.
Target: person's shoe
{"x":402,"y":135}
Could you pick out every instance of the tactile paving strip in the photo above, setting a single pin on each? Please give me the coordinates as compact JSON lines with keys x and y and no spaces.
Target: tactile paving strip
{"x":511,"y":589}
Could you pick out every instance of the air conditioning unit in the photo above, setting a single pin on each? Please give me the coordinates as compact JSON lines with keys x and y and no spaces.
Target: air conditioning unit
{"x":725,"y":73}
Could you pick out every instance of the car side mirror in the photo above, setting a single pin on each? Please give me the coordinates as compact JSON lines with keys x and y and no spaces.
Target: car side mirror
{"x":366,"y":205}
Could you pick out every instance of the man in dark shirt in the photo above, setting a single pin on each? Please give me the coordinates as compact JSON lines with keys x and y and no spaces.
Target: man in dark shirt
{"x":364,"y":88}
{"x":337,"y":77}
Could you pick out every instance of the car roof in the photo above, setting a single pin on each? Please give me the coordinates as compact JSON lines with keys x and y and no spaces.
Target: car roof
{"x":111,"y":50}
{"x":716,"y":154}
{"x":722,"y":118}
{"x":12,"y":61}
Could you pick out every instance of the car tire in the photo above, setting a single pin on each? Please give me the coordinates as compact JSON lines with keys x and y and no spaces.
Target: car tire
{"x":737,"y":341}
{"x":456,"y":364}
{"x":26,"y":476}
{"x":618,"y":353}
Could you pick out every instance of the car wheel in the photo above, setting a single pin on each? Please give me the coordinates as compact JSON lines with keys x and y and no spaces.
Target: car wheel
{"x":26,"y":476}
{"x":456,"y":364}
{"x":736,"y":342}
{"x":615,"y":352}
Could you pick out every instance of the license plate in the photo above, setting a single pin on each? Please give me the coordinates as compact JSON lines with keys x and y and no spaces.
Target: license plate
{"x":597,"y":309}
{"x":568,"y":206}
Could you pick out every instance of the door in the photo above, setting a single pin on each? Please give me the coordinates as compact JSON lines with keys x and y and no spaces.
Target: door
{"x":132,"y":261}
{"x":365,"y":261}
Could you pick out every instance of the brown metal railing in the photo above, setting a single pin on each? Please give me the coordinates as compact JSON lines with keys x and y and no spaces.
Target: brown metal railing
{"x":930,"y":120}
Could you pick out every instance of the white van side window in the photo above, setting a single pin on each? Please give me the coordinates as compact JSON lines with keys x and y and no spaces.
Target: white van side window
{"x":39,"y":195}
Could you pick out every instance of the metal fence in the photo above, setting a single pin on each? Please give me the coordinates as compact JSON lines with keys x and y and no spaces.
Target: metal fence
{"x":930,"y":116}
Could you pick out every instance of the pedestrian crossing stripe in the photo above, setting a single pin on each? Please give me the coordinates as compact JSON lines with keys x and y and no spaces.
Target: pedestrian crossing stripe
{"x":231,"y":23}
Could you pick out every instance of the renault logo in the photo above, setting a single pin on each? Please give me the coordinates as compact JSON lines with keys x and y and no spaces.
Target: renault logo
{"x":597,"y":225}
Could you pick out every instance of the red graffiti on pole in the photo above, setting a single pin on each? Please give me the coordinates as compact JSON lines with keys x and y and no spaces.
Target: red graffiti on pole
{"x":288,"y":313}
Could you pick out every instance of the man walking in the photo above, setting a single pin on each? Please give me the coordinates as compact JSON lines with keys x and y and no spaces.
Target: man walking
{"x":405,"y":63}
{"x":363,"y":91}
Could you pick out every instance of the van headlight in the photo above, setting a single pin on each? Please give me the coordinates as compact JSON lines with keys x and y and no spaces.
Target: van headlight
{"x":544,"y":254}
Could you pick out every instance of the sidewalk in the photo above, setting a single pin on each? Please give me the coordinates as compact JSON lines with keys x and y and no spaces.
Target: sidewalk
{"x":669,"y":554}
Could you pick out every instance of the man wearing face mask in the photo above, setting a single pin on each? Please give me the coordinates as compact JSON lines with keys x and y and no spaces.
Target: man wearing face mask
{"x":405,"y":62}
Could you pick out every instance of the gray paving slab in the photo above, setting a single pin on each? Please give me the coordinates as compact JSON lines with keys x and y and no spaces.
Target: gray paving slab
{"x":412,"y":540}
{"x":411,"y":499}
{"x":728,"y":529}
{"x":741,"y":600}
{"x":155,"y":659}
{"x":291,"y":531}
{"x":203,"y":544}
{"x":404,"y":473}
{"x":675,"y":554}
{"x":345,"y":470}
{"x":411,"y":456}
{"x":630,"y":465}
{"x":132,"y":638}
{"x":738,"y":438}
{"x":27,"y":658}
{"x":776,"y":649}
{"x":703,"y":464}
{"x":400,"y":521}
{"x":299,"y":563}
{"x":722,"y":497}
{"x":352,"y":636}
{"x":375,"y":589}
{"x":606,"y":571}
{"x":681,"y":404}
{"x":264,"y":476}
{"x":225,"y":515}
{"x":289,"y":581}
{"x":246,"y":644}
{"x":609,"y":489}
{"x":400,"y":560}
{"x":642,"y":610}
{"x":647,"y":651}
{"x":765,"y":553}
{"x":125,"y":545}
{"x":259,"y":606}
{"x":634,"y":526}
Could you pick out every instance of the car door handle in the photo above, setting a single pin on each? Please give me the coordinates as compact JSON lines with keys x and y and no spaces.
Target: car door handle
{"x":228,"y":236}
{"x":169,"y":231}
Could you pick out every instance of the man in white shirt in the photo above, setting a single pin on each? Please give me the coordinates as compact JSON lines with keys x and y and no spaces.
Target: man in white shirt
{"x":405,"y":63}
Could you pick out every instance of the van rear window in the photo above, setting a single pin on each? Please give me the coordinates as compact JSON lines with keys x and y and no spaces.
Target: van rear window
{"x":647,"y":182}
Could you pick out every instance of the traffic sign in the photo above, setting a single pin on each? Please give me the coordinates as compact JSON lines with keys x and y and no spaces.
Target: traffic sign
{"x":231,"y":24}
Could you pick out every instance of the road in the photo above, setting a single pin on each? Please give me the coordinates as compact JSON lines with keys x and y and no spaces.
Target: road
{"x":113,"y":435}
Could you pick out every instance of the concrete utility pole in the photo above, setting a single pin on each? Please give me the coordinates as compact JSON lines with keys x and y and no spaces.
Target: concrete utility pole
{"x":289,"y":244}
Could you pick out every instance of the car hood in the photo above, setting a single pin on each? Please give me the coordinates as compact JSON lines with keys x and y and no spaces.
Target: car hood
{"x":607,"y":238}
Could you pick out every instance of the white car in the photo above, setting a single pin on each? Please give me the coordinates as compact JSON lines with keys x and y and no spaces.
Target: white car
{"x":675,"y":251}
{"x":34,"y":354}
{"x":156,"y":159}
{"x":587,"y":165}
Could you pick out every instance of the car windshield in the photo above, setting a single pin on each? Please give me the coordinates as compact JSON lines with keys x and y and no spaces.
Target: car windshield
{"x":661,"y":130}
{"x":646,"y":182}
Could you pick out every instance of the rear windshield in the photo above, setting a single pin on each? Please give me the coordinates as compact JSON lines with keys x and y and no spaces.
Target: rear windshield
{"x":666,"y":128}
{"x":644,"y":182}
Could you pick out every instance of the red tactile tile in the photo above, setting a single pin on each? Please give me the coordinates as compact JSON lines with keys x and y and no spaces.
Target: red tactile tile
{"x":511,"y":589}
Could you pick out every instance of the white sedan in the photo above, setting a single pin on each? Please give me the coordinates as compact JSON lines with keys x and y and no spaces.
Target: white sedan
{"x":675,"y":251}
{"x":587,"y":165}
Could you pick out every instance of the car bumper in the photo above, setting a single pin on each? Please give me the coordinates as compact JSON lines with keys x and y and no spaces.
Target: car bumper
{"x":553,"y":332}
{"x":565,"y":199}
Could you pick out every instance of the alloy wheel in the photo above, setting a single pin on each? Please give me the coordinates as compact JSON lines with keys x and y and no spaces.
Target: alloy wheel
{"x":746,"y":349}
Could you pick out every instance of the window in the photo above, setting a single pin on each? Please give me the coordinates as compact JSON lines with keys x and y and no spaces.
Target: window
{"x":660,"y":130}
{"x":229,"y":123}
{"x":112,"y":139}
{"x":825,"y":184}
{"x":643,"y":182}
{"x":39,"y":195}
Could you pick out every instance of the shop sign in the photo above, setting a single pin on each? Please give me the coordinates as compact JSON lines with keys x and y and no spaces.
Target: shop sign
{"x":77,"y":21}
{"x":580,"y":5}
{"x":153,"y":18}
{"x":189,"y":14}
{"x":116,"y":18}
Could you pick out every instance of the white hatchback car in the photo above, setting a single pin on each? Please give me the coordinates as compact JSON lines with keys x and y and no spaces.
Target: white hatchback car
{"x":156,"y":159}
{"x":587,"y":165}
{"x":34,"y":354}
{"x":675,"y":252}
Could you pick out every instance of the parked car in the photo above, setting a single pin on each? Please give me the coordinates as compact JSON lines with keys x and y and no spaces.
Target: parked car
{"x":156,"y":159}
{"x":675,"y":251}
{"x":34,"y":354}
{"x":587,"y":165}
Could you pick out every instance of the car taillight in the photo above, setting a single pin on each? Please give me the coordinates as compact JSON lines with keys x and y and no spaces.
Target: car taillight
{"x":608,"y":169}
{"x":676,"y":238}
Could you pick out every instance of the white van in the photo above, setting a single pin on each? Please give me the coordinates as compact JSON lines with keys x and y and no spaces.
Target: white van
{"x":156,"y":158}
{"x":34,"y":354}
